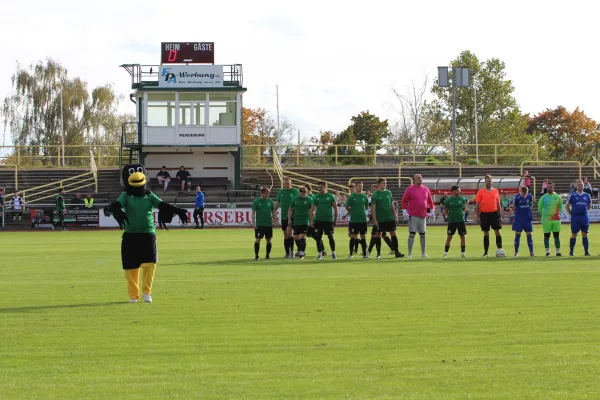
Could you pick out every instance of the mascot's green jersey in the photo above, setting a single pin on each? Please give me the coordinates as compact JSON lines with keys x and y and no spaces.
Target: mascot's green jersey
{"x":140,"y":212}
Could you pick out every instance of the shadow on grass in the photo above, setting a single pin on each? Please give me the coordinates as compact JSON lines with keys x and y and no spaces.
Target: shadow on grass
{"x":58,"y":306}
{"x":312,"y":261}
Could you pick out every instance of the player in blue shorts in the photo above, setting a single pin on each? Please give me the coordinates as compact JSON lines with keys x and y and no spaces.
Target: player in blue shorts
{"x":577,"y":206}
{"x":523,"y":202}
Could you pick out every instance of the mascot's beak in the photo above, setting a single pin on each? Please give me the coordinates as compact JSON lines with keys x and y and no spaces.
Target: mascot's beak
{"x":137,"y":179}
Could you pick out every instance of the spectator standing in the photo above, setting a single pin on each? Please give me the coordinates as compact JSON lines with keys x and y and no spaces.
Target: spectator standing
{"x":185,"y":178}
{"x":88,"y":201}
{"x":199,"y":210}
{"x":587,"y":187}
{"x":60,"y":208}
{"x":417,"y":202}
{"x":544,"y":187}
{"x":16,"y":204}
{"x":527,"y":180}
{"x":164,"y":177}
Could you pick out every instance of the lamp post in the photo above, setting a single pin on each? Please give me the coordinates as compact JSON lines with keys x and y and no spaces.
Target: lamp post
{"x":460,"y":78}
{"x":62,"y":127}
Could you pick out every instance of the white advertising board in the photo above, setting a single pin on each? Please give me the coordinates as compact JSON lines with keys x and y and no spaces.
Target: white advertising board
{"x":190,"y":76}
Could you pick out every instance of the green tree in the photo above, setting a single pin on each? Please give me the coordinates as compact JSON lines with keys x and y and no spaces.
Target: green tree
{"x":32,"y":113}
{"x":369,"y":131}
{"x":499,"y":117}
{"x":347,"y":153}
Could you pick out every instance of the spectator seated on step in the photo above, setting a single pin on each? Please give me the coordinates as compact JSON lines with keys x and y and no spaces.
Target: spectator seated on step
{"x":77,"y":202}
{"x":185,"y":178}
{"x":88,"y":202}
{"x":17,"y":205}
{"x":164,"y":177}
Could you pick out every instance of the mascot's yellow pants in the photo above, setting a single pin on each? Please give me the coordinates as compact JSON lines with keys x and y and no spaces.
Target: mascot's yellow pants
{"x":133,"y":276}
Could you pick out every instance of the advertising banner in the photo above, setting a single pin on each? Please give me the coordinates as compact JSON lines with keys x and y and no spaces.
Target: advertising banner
{"x":190,"y":76}
{"x":593,"y":214}
{"x":84,"y":218}
{"x":232,"y":217}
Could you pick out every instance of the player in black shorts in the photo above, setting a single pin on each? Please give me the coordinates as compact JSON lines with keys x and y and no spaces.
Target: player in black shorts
{"x":264,"y":214}
{"x":384,"y":235}
{"x":384,"y":216}
{"x":357,"y":204}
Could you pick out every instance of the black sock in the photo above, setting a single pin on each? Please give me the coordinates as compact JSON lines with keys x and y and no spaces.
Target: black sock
{"x":395,"y":243}
{"x":352,"y":243}
{"x":446,"y":248}
{"x":378,"y":246}
{"x":363,"y":244}
{"x":269,"y":245}
{"x":372,"y":243}
{"x":331,"y":242}
{"x":356,"y":242}
{"x":303,"y":244}
{"x":389,"y":242}
{"x":256,"y":248}
{"x":486,"y":244}
{"x":499,"y":241}
{"x":286,"y":244}
{"x":299,"y":244}
{"x":462,"y":248}
{"x":291,"y":245}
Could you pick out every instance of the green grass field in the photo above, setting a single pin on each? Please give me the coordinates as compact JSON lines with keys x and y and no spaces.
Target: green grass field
{"x":223,"y":326}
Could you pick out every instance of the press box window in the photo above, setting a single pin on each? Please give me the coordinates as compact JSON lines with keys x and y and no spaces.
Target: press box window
{"x":192,"y":108}
{"x":222,"y":109}
{"x":161,"y":109}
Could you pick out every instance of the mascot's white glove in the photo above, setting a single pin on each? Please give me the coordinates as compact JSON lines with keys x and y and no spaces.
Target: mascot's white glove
{"x":432,"y":213}
{"x":405,"y":213}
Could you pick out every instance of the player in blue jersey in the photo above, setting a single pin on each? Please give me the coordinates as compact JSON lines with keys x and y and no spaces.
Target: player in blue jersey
{"x":577,"y":206}
{"x":523,"y":202}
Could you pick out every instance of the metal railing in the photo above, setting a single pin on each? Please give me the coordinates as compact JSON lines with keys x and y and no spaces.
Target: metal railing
{"x":386,"y":154}
{"x":76,"y":156}
{"x":451,"y":163}
{"x":575,"y":163}
{"x":304,"y":179}
{"x":596,"y":165}
{"x":147,"y":75}
{"x":389,"y":178}
{"x":71,"y":184}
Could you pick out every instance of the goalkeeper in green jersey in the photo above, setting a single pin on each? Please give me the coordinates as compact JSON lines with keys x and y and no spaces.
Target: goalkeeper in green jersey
{"x":550,"y":205}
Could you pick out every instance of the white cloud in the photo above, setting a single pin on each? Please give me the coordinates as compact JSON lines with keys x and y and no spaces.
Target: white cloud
{"x":331,"y":59}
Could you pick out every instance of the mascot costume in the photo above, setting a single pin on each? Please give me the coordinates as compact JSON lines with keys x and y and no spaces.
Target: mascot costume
{"x":134,"y":210}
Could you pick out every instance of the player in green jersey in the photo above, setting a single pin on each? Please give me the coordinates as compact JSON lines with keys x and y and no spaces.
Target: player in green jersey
{"x":264,"y":214}
{"x":285,"y":195}
{"x":454,"y":212}
{"x":384,"y":216}
{"x":357,"y":204}
{"x":326,"y":215}
{"x":301,"y":211}
{"x":60,"y":209}
{"x":550,"y":205}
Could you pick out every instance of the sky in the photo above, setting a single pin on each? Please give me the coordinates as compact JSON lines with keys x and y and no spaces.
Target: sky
{"x":330,"y":59}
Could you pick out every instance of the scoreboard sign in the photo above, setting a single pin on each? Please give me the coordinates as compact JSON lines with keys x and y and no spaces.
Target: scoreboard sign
{"x":183,"y":53}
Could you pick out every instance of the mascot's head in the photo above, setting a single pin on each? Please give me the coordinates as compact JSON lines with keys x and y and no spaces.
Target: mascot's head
{"x":134,"y":179}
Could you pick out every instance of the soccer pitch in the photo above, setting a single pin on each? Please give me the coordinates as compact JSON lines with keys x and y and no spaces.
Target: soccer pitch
{"x":224,"y":326}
